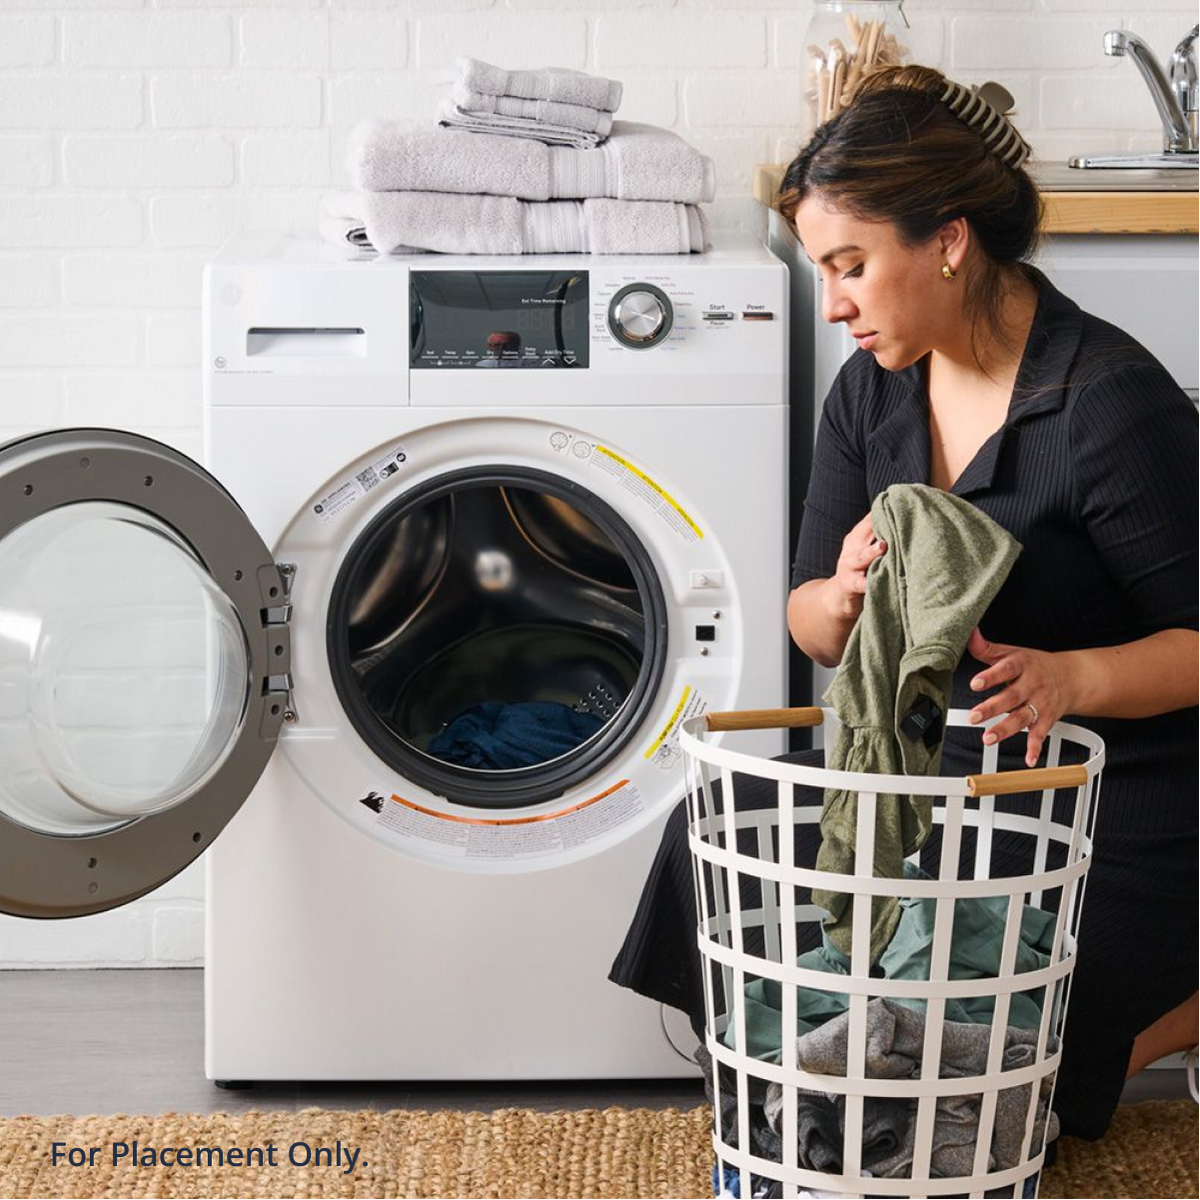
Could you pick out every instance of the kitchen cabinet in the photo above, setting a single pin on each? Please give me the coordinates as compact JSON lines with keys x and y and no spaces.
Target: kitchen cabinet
{"x":1145,"y":284}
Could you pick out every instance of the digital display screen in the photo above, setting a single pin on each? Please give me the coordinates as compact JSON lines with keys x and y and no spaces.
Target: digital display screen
{"x":498,"y":320}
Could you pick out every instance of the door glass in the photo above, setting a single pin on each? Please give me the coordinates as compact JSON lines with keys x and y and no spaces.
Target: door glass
{"x":123,"y":670}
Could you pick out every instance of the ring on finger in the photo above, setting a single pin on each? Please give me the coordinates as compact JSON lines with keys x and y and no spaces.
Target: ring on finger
{"x":1034,"y":714}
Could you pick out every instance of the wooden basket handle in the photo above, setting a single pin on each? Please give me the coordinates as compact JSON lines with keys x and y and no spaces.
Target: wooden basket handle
{"x":764,"y":718}
{"x":1008,"y":783}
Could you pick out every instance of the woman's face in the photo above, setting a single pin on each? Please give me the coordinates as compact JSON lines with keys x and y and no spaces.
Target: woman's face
{"x":892,"y":296}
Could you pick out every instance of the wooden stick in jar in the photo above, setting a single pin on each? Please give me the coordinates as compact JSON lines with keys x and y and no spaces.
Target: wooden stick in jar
{"x":835,"y":90}
{"x":824,"y":85}
{"x":856,"y":63}
{"x":839,"y":66}
{"x":816,"y":60}
{"x":874,"y":29}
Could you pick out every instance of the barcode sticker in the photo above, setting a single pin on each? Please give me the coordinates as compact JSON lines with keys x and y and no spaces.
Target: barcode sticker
{"x":350,"y":490}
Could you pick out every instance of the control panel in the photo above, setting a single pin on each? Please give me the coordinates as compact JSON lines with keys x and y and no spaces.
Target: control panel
{"x":500,"y":332}
{"x":707,"y":314}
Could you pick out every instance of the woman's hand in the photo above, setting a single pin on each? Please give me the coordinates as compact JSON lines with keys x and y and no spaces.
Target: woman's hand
{"x":1036,"y":690}
{"x":860,"y":548}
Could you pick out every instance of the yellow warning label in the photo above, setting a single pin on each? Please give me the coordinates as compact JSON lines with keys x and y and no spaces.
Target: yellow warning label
{"x":658,"y":491}
{"x":666,"y":732}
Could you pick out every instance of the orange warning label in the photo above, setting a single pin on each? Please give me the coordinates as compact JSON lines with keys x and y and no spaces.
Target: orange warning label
{"x":562,"y":812}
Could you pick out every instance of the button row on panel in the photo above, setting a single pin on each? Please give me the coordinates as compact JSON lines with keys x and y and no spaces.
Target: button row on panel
{"x":729,"y":316}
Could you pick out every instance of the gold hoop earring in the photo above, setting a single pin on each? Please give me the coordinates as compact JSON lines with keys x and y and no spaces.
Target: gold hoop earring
{"x":948,"y":272}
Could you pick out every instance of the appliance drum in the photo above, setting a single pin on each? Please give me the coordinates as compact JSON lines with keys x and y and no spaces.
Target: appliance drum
{"x":496,"y":634}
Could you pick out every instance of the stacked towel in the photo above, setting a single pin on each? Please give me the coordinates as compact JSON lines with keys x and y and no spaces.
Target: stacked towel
{"x":413,"y":222}
{"x":555,"y":106}
{"x":538,"y":167}
{"x":546,"y":83}
{"x":638,"y":162}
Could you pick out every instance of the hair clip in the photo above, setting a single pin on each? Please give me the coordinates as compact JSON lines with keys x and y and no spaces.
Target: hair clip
{"x":984,"y":108}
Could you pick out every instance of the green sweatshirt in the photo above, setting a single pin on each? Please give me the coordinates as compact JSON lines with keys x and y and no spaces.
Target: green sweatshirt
{"x":944,"y":564}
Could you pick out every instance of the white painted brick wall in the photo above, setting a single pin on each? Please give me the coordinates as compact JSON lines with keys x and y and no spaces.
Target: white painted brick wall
{"x":26,"y":161}
{"x":26,"y":41}
{"x":130,"y":40}
{"x":136,"y":135}
{"x":135,"y":160}
{"x":27,"y":281}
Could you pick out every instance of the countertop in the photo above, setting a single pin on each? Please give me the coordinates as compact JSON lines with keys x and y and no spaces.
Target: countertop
{"x":1087,"y":201}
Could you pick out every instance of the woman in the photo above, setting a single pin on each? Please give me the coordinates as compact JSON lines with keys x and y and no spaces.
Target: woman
{"x":975,"y":375}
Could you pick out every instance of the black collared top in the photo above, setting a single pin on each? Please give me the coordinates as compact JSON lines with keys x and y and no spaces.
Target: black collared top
{"x":1094,"y":471}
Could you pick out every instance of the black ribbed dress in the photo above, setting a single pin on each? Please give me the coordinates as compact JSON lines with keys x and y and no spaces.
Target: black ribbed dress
{"x":1095,"y":473}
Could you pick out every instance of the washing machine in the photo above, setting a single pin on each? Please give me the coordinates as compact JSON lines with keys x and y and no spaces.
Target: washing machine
{"x":500,"y":526}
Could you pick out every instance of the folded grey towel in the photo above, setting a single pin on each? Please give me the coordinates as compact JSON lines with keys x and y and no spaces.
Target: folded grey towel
{"x":343,"y":231}
{"x":546,"y":83}
{"x":341,"y":223}
{"x":638,"y":162}
{"x":404,"y":222}
{"x":547,"y":112}
{"x":453,"y":117}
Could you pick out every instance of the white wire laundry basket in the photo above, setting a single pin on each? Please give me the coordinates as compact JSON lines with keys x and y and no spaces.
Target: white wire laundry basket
{"x":748,"y":879}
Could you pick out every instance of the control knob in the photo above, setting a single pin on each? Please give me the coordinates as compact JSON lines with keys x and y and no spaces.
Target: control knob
{"x":640,"y":316}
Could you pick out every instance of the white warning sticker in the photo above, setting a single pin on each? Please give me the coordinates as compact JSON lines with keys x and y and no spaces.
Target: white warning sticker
{"x":641,"y":485}
{"x":351,"y":490}
{"x":513,"y":837}
{"x":664,"y":750}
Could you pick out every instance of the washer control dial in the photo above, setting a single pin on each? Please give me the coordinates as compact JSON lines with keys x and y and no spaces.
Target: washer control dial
{"x":640,"y":316}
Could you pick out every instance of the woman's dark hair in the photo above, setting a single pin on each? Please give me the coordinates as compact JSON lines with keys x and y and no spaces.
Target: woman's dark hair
{"x":897,"y":153}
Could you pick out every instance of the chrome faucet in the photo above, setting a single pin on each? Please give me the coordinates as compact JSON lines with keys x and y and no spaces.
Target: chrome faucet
{"x":1175,"y":100}
{"x":1183,"y":80}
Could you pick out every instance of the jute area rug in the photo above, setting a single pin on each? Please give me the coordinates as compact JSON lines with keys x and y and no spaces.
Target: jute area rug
{"x":1149,"y":1152}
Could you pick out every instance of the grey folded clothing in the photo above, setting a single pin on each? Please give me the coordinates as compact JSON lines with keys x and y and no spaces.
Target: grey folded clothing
{"x":546,"y":83}
{"x":453,"y":117}
{"x":895,"y":1044}
{"x":638,"y":162}
{"x":403,"y":222}
{"x":549,"y":112}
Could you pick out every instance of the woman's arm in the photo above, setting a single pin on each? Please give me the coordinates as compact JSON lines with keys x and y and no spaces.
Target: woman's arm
{"x":1143,"y":678}
{"x":1155,"y":674}
{"x":815,"y":623}
{"x":822,"y":612}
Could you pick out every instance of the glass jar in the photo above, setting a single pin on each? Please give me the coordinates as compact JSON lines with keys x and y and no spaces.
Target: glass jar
{"x":845,"y":40}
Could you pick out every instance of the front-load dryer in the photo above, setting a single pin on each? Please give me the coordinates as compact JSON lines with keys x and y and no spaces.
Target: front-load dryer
{"x":501,"y":526}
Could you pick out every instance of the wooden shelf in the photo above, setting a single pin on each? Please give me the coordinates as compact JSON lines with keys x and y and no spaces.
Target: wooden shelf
{"x":1073,"y":212}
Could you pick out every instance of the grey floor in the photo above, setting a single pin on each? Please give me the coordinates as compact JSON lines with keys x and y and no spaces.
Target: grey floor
{"x":133,"y":1041}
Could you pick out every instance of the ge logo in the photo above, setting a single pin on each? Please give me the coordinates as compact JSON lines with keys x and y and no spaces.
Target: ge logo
{"x":218,"y":362}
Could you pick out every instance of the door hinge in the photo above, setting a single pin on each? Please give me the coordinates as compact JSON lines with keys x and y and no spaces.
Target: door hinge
{"x":277,"y":621}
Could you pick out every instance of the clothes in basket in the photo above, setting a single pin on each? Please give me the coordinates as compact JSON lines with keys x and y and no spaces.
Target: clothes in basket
{"x":978,"y":933}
